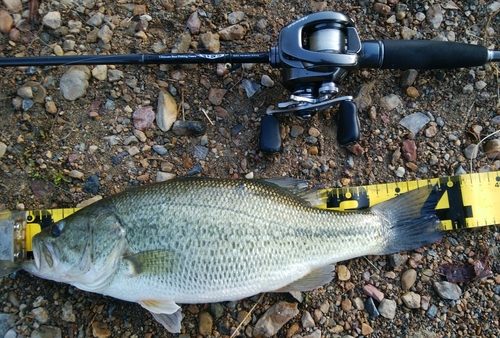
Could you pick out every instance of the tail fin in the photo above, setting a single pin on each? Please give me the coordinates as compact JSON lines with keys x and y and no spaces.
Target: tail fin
{"x":411,"y":220}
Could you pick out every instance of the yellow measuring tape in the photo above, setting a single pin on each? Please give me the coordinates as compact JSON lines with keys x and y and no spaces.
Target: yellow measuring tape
{"x":467,"y":201}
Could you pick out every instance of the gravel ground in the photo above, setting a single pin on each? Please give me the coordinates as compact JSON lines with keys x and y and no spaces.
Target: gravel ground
{"x":59,"y":147}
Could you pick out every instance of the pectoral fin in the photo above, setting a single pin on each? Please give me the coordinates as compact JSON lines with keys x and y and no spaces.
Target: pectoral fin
{"x":154,"y":262}
{"x":166,"y":312}
{"x":311,"y":281}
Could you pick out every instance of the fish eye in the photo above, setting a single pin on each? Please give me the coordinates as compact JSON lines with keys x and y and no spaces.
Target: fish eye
{"x":57,"y":229}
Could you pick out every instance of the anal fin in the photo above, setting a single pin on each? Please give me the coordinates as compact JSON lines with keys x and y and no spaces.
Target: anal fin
{"x":311,"y":281}
{"x":166,"y":312}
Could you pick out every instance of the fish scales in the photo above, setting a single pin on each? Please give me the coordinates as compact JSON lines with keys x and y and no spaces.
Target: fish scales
{"x":207,"y":240}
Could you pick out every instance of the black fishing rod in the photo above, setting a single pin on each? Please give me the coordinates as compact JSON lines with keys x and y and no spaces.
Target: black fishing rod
{"x":314,"y":54}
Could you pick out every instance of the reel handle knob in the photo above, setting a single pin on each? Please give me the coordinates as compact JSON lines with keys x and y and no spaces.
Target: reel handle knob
{"x":270,"y":136}
{"x":348,"y":123}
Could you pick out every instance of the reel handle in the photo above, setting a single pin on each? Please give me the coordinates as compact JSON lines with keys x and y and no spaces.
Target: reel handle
{"x":423,"y":54}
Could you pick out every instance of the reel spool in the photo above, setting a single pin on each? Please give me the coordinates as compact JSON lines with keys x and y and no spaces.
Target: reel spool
{"x":314,"y":54}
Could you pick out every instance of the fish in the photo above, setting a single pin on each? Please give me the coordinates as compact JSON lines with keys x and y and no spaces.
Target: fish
{"x":203,"y":240}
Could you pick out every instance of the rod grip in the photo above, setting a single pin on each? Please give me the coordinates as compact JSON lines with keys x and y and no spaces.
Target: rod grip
{"x":430,"y":54}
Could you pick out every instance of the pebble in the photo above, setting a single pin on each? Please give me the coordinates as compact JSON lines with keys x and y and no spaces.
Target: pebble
{"x":76,"y":174}
{"x":14,"y":6}
{"x":414,"y":122}
{"x":343,"y":273}
{"x":216,"y":95}
{"x":432,"y":311}
{"x":233,"y":32}
{"x":409,"y":150}
{"x":74,"y":82}
{"x":210,"y":41}
{"x":132,"y":151}
{"x":408,"y":279}
{"x":480,"y":85}
{"x":194,"y":23}
{"x":411,"y":300}
{"x":41,"y":315}
{"x":235,"y":17}
{"x":468,"y":89}
{"x":408,"y":78}
{"x":163,"y":176}
{"x":400,"y":172}
{"x":275,"y":317}
{"x":373,"y":292}
{"x":371,"y":308}
{"x":266,"y":81}
{"x":26,"y":92}
{"x":358,"y":303}
{"x":471,"y":151}
{"x":494,"y":6}
{"x":387,"y":308}
{"x":143,"y":118}
{"x":96,"y":20}
{"x":217,"y":310}
{"x":434,"y":16}
{"x":45,"y":331}
{"x":183,"y":128}
{"x":160,"y":150}
{"x":89,"y":201}
{"x":100,"y":72}
{"x":100,"y":330}
{"x":315,"y":334}
{"x":447,"y":290}
{"x":52,"y":20}
{"x":296,"y":131}
{"x":250,"y":87}
{"x":67,"y":313}
{"x":200,"y":152}
{"x":412,"y":92}
{"x":92,"y":185}
{"x":6,"y":22}
{"x":366,"y":329}
{"x":307,"y":320}
{"x":205,"y":323}
{"x":390,"y":102}
{"x":167,"y":111}
{"x":346,"y":305}
{"x":397,"y":259}
{"x":114,"y":75}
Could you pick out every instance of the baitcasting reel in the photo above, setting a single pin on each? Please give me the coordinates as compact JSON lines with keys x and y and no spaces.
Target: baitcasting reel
{"x":314,"y":53}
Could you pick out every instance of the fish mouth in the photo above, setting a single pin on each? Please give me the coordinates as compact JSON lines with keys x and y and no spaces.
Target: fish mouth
{"x":43,"y":258}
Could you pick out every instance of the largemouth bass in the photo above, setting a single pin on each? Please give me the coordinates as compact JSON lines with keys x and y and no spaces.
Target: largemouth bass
{"x":208,"y":240}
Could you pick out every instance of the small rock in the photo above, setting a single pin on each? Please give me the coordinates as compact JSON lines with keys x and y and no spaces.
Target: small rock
{"x":183,"y":128}
{"x":100,"y":330}
{"x":141,"y":136}
{"x":371,"y":308}
{"x":160,"y":150}
{"x":235,"y":17}
{"x":373,"y":292}
{"x":397,"y":259}
{"x":447,"y":290}
{"x":205,"y":323}
{"x":343,"y":273}
{"x":412,"y":92}
{"x":431,"y":131}
{"x":3,"y":149}
{"x":471,"y":151}
{"x":216,"y":95}
{"x":194,"y":23}
{"x":468,"y":89}
{"x":163,"y":176}
{"x":76,"y":174}
{"x":296,"y":131}
{"x":105,"y":34}
{"x":67,"y":313}
{"x":387,"y":308}
{"x":480,"y":85}
{"x":400,"y":172}
{"x":494,"y":6}
{"x":411,"y":300}
{"x":266,"y":81}
{"x":409,"y":150}
{"x":96,"y":20}
{"x":390,"y":102}
{"x":132,"y":151}
{"x":46,"y":332}
{"x":434,"y":16}
{"x":366,"y":329}
{"x":167,"y":111}
{"x":314,"y":132}
{"x":408,"y":279}
{"x":210,"y":42}
{"x":14,"y":6}
{"x":100,"y":72}
{"x":143,"y":118}
{"x":217,"y":310}
{"x":26,"y":92}
{"x":408,"y":78}
{"x":346,"y":305}
{"x":414,"y":122}
{"x":234,"y":32}
{"x":275,"y":317}
{"x":250,"y":87}
{"x":41,"y":315}
{"x":114,"y":75}
{"x":307,"y":320}
{"x":432,"y":311}
{"x":92,"y":185}
{"x":52,"y":20}
{"x":74,"y":82}
{"x":363,"y":98}
{"x":358,"y":303}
